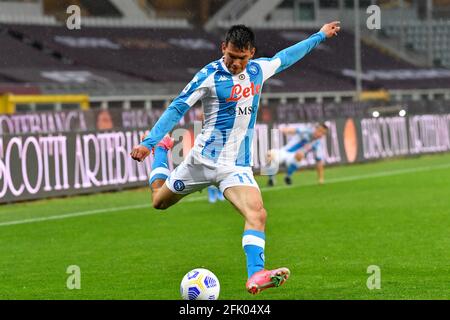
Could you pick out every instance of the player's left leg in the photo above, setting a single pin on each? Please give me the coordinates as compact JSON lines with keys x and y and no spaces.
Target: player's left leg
{"x":162,"y":196}
{"x":165,"y":198}
{"x":242,"y":191}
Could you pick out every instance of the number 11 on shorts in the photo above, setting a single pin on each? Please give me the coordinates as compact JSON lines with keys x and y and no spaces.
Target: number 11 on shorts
{"x":242,"y":179}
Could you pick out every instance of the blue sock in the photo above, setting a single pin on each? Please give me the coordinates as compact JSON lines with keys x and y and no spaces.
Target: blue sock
{"x":160,"y":167}
{"x":220,"y":195}
{"x":212,"y":194}
{"x":253,"y":243}
{"x":291,"y":169}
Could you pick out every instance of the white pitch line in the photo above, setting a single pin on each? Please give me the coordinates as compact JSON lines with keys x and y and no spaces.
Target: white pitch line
{"x":74,"y":214}
{"x":366,"y":176}
{"x":194,"y":199}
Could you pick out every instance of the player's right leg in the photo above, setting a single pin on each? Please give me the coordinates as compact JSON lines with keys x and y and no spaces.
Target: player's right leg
{"x":241,"y":189}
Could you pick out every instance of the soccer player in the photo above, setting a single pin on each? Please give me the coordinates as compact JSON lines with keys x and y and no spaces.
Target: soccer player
{"x":215,"y":194}
{"x":302,"y":142}
{"x":230,"y":90}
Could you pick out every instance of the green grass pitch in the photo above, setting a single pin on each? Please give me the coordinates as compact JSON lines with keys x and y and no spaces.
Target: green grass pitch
{"x":393,"y":214}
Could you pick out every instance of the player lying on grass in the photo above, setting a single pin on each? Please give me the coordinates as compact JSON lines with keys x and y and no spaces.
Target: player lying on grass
{"x":301,"y":142}
{"x":230,"y":90}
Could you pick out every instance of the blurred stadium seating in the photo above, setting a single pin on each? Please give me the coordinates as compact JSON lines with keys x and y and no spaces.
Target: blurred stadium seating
{"x":131,"y":49}
{"x":159,"y":55}
{"x":416,"y":38}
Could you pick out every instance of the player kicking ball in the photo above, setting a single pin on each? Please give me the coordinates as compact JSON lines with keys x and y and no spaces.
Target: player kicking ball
{"x":301,"y":142}
{"x":230,"y":90}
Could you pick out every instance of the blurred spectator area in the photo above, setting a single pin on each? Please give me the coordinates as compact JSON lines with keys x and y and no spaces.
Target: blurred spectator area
{"x":108,"y":56}
{"x":125,"y":13}
{"x":154,"y":47}
{"x":98,"y":8}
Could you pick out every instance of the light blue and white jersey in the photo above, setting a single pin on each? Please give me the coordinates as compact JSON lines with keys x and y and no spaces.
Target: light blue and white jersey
{"x":304,"y":140}
{"x":230,"y":105}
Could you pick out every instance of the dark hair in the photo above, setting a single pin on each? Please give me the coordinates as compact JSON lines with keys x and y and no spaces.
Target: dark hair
{"x":240,"y":36}
{"x":323,"y":125}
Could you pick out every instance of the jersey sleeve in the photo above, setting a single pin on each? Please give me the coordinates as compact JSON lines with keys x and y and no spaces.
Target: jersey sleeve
{"x":197,"y":89}
{"x":269,"y":66}
{"x":289,"y":56}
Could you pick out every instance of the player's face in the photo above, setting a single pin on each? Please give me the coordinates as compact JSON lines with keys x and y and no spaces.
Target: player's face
{"x":236,"y":59}
{"x":320,"y":132}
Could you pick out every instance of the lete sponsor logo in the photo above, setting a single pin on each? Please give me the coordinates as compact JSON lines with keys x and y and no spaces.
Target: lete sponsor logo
{"x":238,"y":92}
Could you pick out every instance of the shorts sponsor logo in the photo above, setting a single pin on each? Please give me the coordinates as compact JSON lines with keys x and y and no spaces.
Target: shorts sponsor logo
{"x":179,"y":185}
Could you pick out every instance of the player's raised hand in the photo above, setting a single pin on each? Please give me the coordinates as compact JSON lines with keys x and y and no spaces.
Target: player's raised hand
{"x":331,"y":29}
{"x":139,"y":153}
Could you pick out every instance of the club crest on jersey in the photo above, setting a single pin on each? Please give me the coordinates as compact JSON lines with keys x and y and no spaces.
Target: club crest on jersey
{"x":238,"y":92}
{"x":253,"y":70}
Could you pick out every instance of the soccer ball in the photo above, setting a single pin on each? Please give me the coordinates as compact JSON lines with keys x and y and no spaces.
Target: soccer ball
{"x":200,"y":284}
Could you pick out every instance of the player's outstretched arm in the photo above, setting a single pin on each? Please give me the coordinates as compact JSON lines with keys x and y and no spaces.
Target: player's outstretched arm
{"x":169,"y":119}
{"x":293,"y":54}
{"x":193,"y":92}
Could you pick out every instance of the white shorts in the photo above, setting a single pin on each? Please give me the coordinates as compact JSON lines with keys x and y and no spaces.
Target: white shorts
{"x":191,"y":176}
